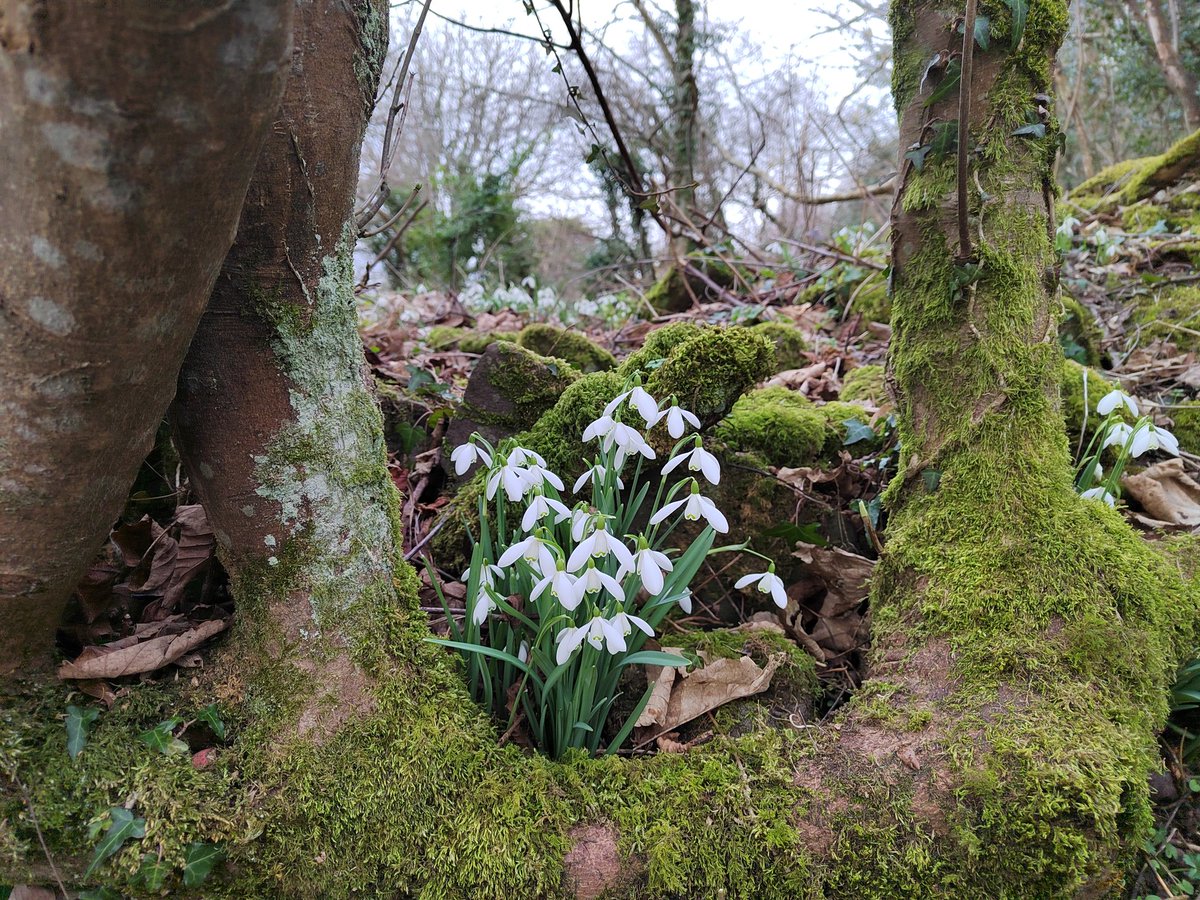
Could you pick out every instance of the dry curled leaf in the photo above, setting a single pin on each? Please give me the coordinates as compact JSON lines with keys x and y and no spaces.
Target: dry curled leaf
{"x":113,"y":661}
{"x":1166,"y":492}
{"x":687,"y":695}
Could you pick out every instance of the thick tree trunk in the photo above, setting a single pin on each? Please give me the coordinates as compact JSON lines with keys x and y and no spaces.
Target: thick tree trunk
{"x":277,"y":428}
{"x":130,"y":130}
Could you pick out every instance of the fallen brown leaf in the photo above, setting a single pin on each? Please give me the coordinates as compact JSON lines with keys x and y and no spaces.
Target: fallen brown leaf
{"x":112,"y":661}
{"x":687,"y":695}
{"x":1166,"y":492}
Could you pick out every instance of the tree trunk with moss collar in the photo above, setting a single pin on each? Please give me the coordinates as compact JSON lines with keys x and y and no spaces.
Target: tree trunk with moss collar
{"x":1023,"y":643}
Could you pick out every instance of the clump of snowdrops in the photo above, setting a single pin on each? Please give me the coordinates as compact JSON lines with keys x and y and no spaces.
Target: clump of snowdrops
{"x":1131,"y":442}
{"x":561,"y":602}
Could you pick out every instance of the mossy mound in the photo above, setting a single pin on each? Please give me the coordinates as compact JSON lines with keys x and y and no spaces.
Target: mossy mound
{"x":575,"y":348}
{"x":1172,"y":314}
{"x":657,"y":347}
{"x":446,"y":337}
{"x":706,"y":373}
{"x":789,"y":342}
{"x":1187,"y":426}
{"x":865,"y":383}
{"x":671,"y":293}
{"x":1129,"y":181}
{"x":786,"y":428}
{"x":1079,"y":333}
{"x":872,"y":301}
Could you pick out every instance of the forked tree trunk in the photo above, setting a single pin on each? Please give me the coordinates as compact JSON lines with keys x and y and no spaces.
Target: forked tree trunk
{"x":129,"y":133}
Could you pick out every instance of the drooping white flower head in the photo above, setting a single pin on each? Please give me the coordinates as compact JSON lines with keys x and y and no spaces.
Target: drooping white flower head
{"x":629,"y":442}
{"x":698,"y":460}
{"x":487,"y":575}
{"x":582,"y":521}
{"x":596,"y":473}
{"x":484,"y":604}
{"x":677,"y":417}
{"x":685,"y":602}
{"x":593,"y":580}
{"x":650,"y":566}
{"x":465,"y":455}
{"x":1151,"y":437}
{"x":598,"y":544}
{"x":564,"y":587}
{"x":520,"y":456}
{"x":1115,"y":398}
{"x":1118,"y":435}
{"x":1099,"y":493}
{"x":695,"y":507}
{"x":514,"y":480}
{"x":540,"y":507}
{"x":768,"y":583}
{"x":625,"y":623}
{"x":534,"y":550}
{"x":536,"y":475}
{"x":640,"y":400}
{"x":598,"y":632}
{"x":600,"y":429}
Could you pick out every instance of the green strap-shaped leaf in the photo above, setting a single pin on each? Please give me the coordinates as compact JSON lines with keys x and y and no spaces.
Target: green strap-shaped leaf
{"x":199,"y":863}
{"x":124,"y":826}
{"x":79,"y":722}
{"x":1020,"y":11}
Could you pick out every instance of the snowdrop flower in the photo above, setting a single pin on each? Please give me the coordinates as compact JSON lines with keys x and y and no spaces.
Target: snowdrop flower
{"x":487,"y":575}
{"x":640,"y":400}
{"x":1115,"y":398}
{"x":698,"y":460}
{"x":1151,"y":437}
{"x":484,"y":604}
{"x":768,"y":583}
{"x":465,"y":455}
{"x":598,"y":632}
{"x":592,"y":580}
{"x":685,"y":602}
{"x":537,"y":475}
{"x":582,"y":521}
{"x":513,"y":478}
{"x":1099,"y":493}
{"x":564,"y":587}
{"x":695,"y":507}
{"x":540,"y":507}
{"x":676,"y":417}
{"x":1118,"y":434}
{"x":597,"y":472}
{"x":523,"y":651}
{"x":624,"y":623}
{"x":629,"y":442}
{"x":599,"y":543}
{"x":600,"y":428}
{"x":519,"y":456}
{"x":533,"y":550}
{"x":649,"y":565}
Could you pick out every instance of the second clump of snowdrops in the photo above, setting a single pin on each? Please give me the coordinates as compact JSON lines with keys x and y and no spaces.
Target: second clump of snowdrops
{"x":1129,"y":441}
{"x":560,"y":601}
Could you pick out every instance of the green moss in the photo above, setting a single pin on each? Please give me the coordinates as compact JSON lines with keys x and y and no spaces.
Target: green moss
{"x":866,"y":383}
{"x":780,"y":425}
{"x":1079,"y":329}
{"x":1173,"y":314}
{"x":871,"y":300}
{"x":1180,"y":158}
{"x":657,"y":347}
{"x":445,"y":337}
{"x":1187,"y":426}
{"x":525,"y":385}
{"x":1073,"y":404}
{"x":572,"y":346}
{"x":672,"y":293}
{"x":708,"y":372}
{"x":1107,"y":181}
{"x":789,"y":342}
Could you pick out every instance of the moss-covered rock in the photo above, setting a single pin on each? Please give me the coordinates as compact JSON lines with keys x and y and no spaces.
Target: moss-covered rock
{"x":1173,"y":314}
{"x":786,"y":428}
{"x":865,"y":383}
{"x":671,"y":293}
{"x":709,"y":371}
{"x":1079,"y":332}
{"x":509,"y":389}
{"x":446,"y":337}
{"x":575,"y":348}
{"x":871,"y":300}
{"x":656,"y":348}
{"x":789,"y":342}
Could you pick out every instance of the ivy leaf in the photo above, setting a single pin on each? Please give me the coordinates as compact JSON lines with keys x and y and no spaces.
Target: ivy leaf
{"x":209,"y":715}
{"x":162,"y":738}
{"x":199,"y":863}
{"x":983,"y":27}
{"x":152,"y":873}
{"x":856,"y":431}
{"x":950,"y":80}
{"x":79,"y":722}
{"x":593,"y":154}
{"x":917,"y":156}
{"x":945,"y":137}
{"x":124,"y":826}
{"x":1037,"y":130}
{"x":1020,"y":10}
{"x":932,"y":478}
{"x":650,"y":204}
{"x":809,"y":533}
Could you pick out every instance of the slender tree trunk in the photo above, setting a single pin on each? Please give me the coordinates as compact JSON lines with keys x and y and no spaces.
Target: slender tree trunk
{"x":277,"y":428}
{"x":1180,"y":79}
{"x":685,"y":109}
{"x":130,"y":130}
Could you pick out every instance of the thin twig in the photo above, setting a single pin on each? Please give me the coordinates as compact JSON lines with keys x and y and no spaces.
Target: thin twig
{"x":964,"y":130}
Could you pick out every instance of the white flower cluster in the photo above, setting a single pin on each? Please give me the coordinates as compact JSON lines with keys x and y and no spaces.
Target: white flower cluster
{"x":1131,"y":441}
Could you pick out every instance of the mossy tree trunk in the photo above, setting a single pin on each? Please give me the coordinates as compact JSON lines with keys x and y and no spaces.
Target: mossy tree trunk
{"x":129,"y":134}
{"x":277,"y":425}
